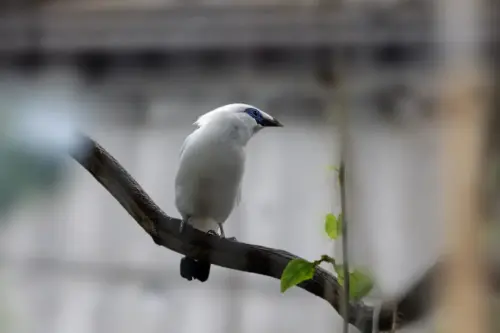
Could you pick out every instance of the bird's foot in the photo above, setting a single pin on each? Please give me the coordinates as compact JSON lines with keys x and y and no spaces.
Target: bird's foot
{"x":213,"y":233}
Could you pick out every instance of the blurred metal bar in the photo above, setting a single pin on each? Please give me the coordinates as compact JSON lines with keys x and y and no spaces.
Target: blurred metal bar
{"x":199,"y":27}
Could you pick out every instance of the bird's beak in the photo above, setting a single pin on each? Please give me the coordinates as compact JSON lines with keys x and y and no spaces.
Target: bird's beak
{"x":273,"y":122}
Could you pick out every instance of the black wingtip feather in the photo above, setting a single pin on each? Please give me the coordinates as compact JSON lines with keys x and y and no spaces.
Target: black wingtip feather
{"x":191,"y":269}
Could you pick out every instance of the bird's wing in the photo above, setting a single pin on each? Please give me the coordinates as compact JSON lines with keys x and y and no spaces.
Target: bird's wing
{"x":238,"y":197}
{"x":182,"y":147}
{"x":184,"y":144}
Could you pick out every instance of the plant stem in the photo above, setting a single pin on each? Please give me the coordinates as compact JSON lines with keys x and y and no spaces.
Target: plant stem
{"x":345,"y":260}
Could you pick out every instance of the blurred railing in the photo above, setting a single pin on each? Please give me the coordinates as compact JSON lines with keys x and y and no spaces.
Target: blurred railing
{"x":73,"y":25}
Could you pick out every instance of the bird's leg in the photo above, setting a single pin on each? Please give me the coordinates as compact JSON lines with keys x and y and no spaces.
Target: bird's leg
{"x":183,"y":224}
{"x":223,"y":235}
{"x":181,"y":227}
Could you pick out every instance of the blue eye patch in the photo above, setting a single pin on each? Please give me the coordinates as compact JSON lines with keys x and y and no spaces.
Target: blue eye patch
{"x":255,"y":114}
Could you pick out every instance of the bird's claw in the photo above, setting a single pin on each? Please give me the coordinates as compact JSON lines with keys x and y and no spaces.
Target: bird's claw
{"x":212,"y":233}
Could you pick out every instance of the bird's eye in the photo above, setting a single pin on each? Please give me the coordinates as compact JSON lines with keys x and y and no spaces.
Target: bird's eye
{"x":254,"y":113}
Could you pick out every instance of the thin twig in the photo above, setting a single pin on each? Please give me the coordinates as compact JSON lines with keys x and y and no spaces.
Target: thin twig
{"x":344,"y":147}
{"x":345,"y":260}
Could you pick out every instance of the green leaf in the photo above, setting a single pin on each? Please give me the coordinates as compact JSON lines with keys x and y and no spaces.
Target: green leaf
{"x":333,"y":225}
{"x":297,"y":271}
{"x":339,"y":269}
{"x":360,"y":283}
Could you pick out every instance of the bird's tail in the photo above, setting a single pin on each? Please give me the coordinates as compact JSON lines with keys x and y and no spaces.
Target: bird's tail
{"x":194,"y":269}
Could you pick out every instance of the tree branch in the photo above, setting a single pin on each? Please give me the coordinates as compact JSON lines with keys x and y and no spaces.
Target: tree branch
{"x":236,"y":255}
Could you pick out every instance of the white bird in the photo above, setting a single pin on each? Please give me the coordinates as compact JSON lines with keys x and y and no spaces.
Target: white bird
{"x":212,"y":162}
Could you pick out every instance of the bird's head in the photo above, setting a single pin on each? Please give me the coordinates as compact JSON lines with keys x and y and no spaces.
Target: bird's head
{"x":248,"y":115}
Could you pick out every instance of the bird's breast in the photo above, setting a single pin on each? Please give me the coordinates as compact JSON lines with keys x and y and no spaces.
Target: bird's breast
{"x":208,"y":180}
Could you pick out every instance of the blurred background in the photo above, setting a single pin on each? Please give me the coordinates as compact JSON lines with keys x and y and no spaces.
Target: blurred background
{"x":135,"y":75}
